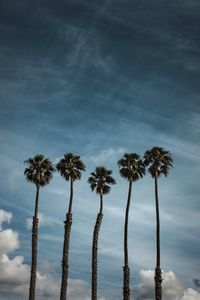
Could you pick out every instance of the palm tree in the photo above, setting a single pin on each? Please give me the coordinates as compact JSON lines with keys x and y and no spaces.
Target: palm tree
{"x":69,"y":167}
{"x":100,"y":181}
{"x":132,"y":169}
{"x":39,"y":171}
{"x":158,"y":161}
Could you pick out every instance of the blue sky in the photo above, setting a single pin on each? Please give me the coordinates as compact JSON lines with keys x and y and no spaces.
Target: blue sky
{"x":100,"y":78}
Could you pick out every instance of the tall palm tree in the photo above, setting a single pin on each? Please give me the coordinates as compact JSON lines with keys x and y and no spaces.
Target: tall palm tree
{"x":132,"y":169}
{"x":69,"y":167}
{"x":100,"y":181}
{"x":39,"y":171}
{"x":158,"y":161}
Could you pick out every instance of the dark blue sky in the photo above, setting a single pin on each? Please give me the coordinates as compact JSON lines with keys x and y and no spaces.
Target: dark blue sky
{"x":99,"y":78}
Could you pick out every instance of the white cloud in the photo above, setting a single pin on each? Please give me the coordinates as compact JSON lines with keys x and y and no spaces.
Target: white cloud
{"x":107,"y":154}
{"x":8,"y":241}
{"x":14,"y":274}
{"x":190,"y":294}
{"x":13,"y":271}
{"x":8,"y":238}
{"x":14,"y":277}
{"x":173,"y":289}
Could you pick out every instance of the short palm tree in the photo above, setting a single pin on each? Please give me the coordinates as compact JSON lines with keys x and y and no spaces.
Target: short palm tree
{"x":158,"y":161}
{"x":39,"y":171}
{"x":132,"y":169}
{"x":100,"y":181}
{"x":69,"y":167}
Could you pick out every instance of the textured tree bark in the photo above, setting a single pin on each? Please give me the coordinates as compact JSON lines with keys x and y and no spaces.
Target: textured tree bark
{"x":126,"y":287}
{"x":95,"y":248}
{"x":158,"y":282}
{"x":65,"y":266}
{"x":94,"y":255}
{"x":33,"y":276}
{"x":63,"y":290}
{"x":158,"y":272}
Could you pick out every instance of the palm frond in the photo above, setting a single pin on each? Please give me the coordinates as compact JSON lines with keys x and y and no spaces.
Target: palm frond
{"x":100,"y":180}
{"x":39,"y":170}
{"x":131,"y":166}
{"x":158,"y":160}
{"x":70,"y":166}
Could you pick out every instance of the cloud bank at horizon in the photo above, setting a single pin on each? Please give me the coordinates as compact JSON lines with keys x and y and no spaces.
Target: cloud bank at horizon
{"x":14,"y":277}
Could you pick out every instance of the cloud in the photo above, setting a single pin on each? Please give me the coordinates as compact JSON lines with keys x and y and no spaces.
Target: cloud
{"x":8,"y":241}
{"x":173,"y":289}
{"x":107,"y":155}
{"x":128,"y":97}
{"x":5,"y":217}
{"x":15,"y":274}
{"x":8,"y":238}
{"x":196,"y":282}
{"x":43,"y":221}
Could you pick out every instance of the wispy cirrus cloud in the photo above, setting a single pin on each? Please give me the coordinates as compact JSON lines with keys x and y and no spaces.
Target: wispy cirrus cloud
{"x":93,"y":78}
{"x":43,"y":221}
{"x":109,"y":154}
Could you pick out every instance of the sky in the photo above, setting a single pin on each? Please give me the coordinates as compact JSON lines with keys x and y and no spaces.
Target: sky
{"x":100,"y":78}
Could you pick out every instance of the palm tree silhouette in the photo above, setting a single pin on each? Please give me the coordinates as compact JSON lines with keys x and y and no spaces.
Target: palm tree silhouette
{"x":132,"y":169}
{"x":39,"y":171}
{"x":158,"y":161}
{"x":69,"y":167}
{"x":100,"y":181}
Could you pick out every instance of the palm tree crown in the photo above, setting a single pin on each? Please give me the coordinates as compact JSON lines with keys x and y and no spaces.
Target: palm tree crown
{"x":39,"y":171}
{"x":158,"y":160}
{"x":131,"y":167}
{"x":100,"y":180}
{"x":70,"y":166}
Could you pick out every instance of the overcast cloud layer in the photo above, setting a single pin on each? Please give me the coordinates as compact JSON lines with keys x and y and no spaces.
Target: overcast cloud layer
{"x":99,"y":78}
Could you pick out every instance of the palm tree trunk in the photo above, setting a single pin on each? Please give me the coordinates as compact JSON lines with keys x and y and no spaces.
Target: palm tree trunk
{"x":158,"y":272}
{"x":68,"y":224}
{"x":95,"y":249}
{"x":34,"y":250}
{"x":126,"y":287}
